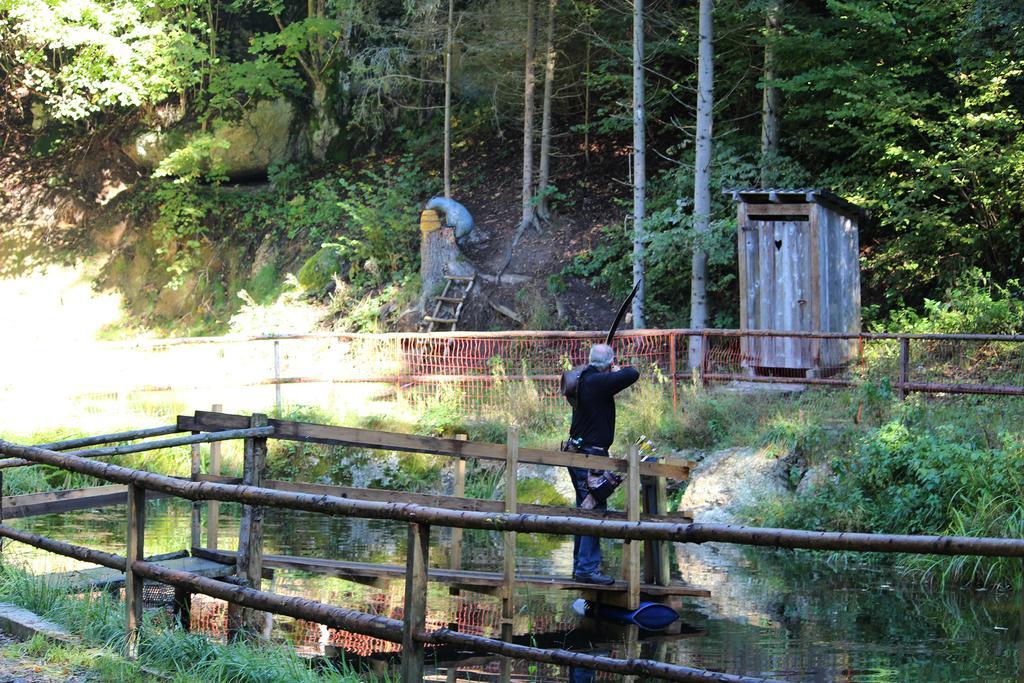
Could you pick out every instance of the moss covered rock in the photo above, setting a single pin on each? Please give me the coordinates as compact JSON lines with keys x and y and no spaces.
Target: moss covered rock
{"x":317,"y":273}
{"x":263,"y":136}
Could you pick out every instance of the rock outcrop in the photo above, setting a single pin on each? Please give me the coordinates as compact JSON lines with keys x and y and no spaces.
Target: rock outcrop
{"x":727,"y":480}
{"x":262,"y":137}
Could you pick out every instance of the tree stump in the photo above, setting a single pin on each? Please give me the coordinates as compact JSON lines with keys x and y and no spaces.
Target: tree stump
{"x":438,"y":255}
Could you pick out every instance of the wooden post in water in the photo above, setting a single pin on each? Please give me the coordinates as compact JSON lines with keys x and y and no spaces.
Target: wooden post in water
{"x":197,"y":524}
{"x":249,"y":565}
{"x":632,"y":642}
{"x":132,"y":581}
{"x":459,"y":491}
{"x":213,"y":507}
{"x":631,"y":549}
{"x":508,"y":587}
{"x":415,"y":612}
{"x":182,"y":605}
{"x":904,"y":367}
{"x":656,"y":553}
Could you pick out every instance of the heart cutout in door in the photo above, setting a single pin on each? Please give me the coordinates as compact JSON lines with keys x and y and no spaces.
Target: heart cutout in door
{"x":778,"y":245}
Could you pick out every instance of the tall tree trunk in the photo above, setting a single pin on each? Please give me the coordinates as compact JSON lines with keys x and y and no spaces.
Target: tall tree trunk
{"x":770,"y":99}
{"x":528,"y":106}
{"x":543,"y":209}
{"x":586,"y":104}
{"x":702,"y":181}
{"x":639,"y":163}
{"x":448,"y":104}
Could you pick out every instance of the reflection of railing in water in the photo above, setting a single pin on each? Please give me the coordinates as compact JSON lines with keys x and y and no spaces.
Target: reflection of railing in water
{"x":483,"y":368}
{"x":412,"y":630}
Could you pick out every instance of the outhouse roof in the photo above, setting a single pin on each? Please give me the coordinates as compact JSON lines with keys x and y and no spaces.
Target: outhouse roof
{"x":796,"y":196}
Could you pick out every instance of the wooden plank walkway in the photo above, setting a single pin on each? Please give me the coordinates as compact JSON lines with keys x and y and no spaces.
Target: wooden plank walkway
{"x":365,"y":438}
{"x":480,"y":582}
{"x":99,"y":578}
{"x":32,"y":504}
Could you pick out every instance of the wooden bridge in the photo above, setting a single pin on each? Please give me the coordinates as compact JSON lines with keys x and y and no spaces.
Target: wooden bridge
{"x":236,"y":577}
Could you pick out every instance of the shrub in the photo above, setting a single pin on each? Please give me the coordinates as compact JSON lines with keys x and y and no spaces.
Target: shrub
{"x":972,"y":305}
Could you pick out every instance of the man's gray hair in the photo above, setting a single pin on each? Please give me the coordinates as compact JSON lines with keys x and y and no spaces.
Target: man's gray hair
{"x":601,"y":356}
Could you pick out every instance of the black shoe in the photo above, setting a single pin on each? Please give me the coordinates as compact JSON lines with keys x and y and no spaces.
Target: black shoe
{"x":594,"y":577}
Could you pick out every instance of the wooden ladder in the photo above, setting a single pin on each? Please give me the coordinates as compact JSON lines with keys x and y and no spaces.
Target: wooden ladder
{"x":448,"y":306}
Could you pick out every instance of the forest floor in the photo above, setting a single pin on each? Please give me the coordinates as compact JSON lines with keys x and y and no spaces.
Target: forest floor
{"x":538,"y":259}
{"x":61,"y":217}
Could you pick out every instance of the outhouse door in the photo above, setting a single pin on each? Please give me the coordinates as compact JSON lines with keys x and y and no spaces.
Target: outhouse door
{"x":778,"y":262}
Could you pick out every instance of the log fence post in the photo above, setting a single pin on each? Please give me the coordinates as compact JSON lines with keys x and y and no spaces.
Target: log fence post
{"x":213,"y":507}
{"x":182,"y":605}
{"x":703,"y":357}
{"x":414,"y":618}
{"x":249,"y":561}
{"x":197,"y":524}
{"x":631,"y":549}
{"x":458,"y":491}
{"x":132,"y":581}
{"x":656,"y":553}
{"x":508,"y":586}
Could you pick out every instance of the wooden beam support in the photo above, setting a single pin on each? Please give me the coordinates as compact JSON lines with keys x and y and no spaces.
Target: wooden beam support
{"x":414,"y":619}
{"x":213,"y":507}
{"x":51,"y":502}
{"x":631,"y":549}
{"x":250,"y":536}
{"x":448,"y":502}
{"x":508,"y":593}
{"x":183,"y":608}
{"x":367,"y":438}
{"x":70,"y":444}
{"x":656,"y":558}
{"x":197,"y":524}
{"x":458,"y":491}
{"x":544,"y":524}
{"x":133,"y":581}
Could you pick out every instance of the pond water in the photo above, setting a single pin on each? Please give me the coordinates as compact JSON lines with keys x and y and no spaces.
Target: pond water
{"x":785,"y":616}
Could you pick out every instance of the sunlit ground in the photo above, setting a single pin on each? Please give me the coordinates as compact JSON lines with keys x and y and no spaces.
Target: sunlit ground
{"x":57,"y":376}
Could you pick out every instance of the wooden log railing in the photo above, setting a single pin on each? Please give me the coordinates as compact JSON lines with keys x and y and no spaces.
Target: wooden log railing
{"x":287,"y":430}
{"x":243,"y":590}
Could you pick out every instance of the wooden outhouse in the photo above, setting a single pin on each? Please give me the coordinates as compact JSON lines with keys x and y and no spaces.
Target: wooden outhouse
{"x":799,"y":271}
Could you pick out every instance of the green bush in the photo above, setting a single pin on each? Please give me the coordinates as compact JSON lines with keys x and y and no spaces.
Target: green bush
{"x":974,"y":304}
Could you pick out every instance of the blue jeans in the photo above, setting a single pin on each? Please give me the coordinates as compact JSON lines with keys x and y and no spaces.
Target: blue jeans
{"x":586,"y":550}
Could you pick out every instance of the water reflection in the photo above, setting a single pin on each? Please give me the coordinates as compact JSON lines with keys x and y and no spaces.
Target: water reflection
{"x":786,"y":616}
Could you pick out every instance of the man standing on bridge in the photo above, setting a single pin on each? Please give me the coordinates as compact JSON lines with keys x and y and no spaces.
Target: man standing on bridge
{"x":592,"y":432}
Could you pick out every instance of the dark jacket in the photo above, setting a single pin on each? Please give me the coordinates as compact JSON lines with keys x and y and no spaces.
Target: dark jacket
{"x":593,"y":418}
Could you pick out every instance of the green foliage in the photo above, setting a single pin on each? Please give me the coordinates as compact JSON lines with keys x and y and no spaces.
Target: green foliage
{"x":538,"y":492}
{"x":923,"y":102}
{"x":382,"y":208}
{"x":973,"y":304}
{"x":88,"y":56}
{"x":947,"y":469}
{"x":443,"y":416}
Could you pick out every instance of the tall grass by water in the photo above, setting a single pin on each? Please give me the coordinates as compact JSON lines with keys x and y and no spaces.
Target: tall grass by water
{"x":180,"y":656}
